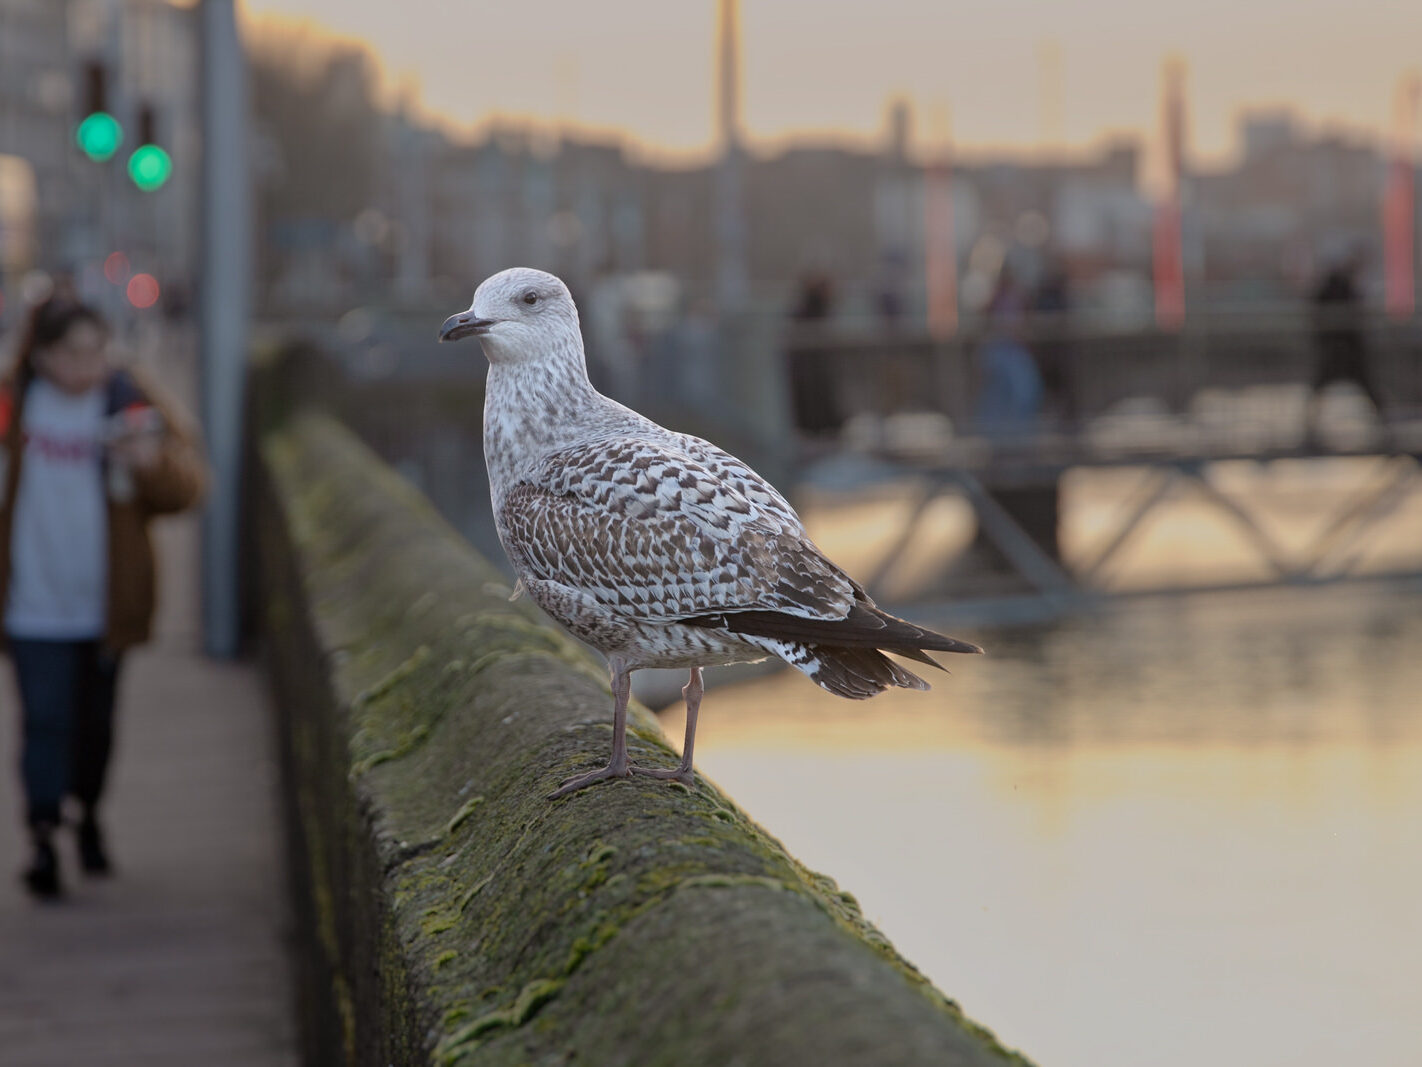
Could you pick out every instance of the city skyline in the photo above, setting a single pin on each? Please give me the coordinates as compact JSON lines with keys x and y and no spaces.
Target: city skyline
{"x":1063,"y":84}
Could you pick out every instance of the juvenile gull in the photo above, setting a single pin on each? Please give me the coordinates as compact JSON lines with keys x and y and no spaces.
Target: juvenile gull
{"x":656,"y":548}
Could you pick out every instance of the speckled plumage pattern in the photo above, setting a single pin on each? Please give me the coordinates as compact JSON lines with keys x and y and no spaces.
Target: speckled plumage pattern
{"x":656,"y":548}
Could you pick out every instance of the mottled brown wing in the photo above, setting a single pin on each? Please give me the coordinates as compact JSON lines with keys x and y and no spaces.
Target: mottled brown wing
{"x":654,"y":534}
{"x":725,"y":467}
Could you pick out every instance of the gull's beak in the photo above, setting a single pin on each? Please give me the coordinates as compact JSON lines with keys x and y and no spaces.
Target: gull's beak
{"x":464,"y":324}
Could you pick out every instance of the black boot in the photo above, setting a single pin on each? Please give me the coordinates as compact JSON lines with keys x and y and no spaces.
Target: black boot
{"x":93,"y":857}
{"x":42,"y":876}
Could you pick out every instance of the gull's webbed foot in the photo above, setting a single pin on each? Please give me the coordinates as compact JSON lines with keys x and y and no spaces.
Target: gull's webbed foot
{"x":582,"y":781}
{"x":682,"y":774}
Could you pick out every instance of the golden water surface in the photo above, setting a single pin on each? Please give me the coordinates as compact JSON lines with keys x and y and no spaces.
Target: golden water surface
{"x":1183,"y":831}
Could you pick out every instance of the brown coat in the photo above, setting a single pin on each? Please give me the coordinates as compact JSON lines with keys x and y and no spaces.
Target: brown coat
{"x":173,"y":484}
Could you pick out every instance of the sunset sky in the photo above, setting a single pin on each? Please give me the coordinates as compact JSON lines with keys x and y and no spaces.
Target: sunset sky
{"x":645,"y":67}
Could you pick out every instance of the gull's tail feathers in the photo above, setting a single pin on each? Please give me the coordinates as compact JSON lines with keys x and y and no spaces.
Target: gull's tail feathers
{"x":849,"y":650}
{"x":856,"y":673}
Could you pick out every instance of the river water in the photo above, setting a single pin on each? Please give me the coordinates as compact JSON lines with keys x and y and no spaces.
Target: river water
{"x":1181,"y":831}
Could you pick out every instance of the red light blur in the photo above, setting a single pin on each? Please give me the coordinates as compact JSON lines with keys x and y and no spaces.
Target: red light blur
{"x":116,"y":268}
{"x":143,"y":290}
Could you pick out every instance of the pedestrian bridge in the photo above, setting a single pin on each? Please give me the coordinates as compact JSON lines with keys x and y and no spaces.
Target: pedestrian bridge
{"x":1168,"y":411}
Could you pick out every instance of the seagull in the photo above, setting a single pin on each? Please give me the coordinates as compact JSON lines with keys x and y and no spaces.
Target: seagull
{"x":656,"y":548}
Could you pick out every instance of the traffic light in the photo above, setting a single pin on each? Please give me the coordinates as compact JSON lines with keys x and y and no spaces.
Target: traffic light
{"x":99,"y":133}
{"x":150,"y":165}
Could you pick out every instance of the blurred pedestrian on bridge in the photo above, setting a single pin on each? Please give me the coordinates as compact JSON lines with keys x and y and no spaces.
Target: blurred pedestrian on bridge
{"x":90,"y":455}
{"x":816,"y":406}
{"x":1010,"y":395}
{"x":1339,"y":336}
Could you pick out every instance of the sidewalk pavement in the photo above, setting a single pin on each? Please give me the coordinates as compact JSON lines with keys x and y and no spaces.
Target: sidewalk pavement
{"x":180,"y":958}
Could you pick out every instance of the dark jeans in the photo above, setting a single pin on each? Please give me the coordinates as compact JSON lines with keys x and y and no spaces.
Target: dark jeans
{"x":67,"y":695}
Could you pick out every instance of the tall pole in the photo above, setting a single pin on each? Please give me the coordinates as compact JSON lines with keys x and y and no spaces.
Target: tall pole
{"x":730,"y":215}
{"x":225,"y":310}
{"x":1399,"y":205}
{"x":1168,"y":244}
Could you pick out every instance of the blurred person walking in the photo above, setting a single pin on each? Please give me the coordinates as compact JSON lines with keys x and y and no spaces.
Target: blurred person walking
{"x":1339,"y":337}
{"x":90,"y":456}
{"x":1008,"y":411}
{"x":813,"y":399}
{"x":1010,"y":395}
{"x":1050,"y":315}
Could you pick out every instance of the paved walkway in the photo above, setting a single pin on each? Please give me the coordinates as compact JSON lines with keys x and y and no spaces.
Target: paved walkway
{"x":180,"y":959}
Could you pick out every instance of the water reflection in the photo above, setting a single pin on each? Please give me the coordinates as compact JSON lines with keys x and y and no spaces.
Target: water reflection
{"x":1183,"y":832}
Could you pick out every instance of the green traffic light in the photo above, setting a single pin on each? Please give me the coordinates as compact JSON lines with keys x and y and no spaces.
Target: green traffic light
{"x":99,"y":136}
{"x":149,"y":167}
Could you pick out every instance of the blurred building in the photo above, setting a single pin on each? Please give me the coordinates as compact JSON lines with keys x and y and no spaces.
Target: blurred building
{"x":406,"y":197}
{"x":36,"y":89}
{"x":585,"y":208}
{"x":1292,"y":200}
{"x":568,"y":205}
{"x":83,"y":211}
{"x":363,"y":205}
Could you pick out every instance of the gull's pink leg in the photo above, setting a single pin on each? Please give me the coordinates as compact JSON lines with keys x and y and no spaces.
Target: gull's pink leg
{"x":682,"y":772}
{"x":618,"y":766}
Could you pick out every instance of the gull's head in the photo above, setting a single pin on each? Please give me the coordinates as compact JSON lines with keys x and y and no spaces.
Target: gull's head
{"x":519,"y":315}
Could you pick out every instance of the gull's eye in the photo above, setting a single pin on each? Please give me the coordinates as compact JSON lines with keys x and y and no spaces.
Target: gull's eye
{"x":530,"y":297}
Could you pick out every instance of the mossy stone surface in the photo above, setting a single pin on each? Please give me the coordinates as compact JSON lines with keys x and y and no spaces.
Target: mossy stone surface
{"x":635,"y":922}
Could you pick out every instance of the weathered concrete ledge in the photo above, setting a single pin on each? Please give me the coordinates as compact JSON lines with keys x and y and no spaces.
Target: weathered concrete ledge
{"x":451,"y":914}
